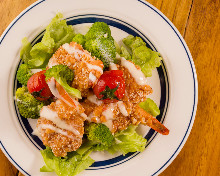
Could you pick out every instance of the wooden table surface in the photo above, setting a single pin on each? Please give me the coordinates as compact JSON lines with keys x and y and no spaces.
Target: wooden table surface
{"x":199,"y":23}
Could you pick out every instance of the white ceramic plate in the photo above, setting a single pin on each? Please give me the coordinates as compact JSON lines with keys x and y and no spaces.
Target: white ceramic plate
{"x":174,"y":84}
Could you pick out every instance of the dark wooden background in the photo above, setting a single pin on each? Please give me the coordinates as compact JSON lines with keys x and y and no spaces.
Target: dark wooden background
{"x":199,"y":23}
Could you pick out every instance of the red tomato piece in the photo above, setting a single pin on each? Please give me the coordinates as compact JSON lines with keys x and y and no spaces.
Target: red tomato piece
{"x":38,"y":87}
{"x":110,"y":86}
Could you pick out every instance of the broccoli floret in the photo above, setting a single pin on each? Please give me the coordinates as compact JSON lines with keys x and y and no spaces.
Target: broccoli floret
{"x":100,"y":43}
{"x":28,"y":106}
{"x":98,"y":30}
{"x":103,"y":48}
{"x":63,"y":75}
{"x":80,"y":39}
{"x":99,"y":135}
{"x":23,"y":74}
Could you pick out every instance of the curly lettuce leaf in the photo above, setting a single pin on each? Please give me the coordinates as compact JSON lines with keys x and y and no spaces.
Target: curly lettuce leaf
{"x":25,"y":50}
{"x":125,"y":53}
{"x":143,"y":56}
{"x":71,"y":165}
{"x":150,"y":106}
{"x":56,"y":34}
{"x":128,"y":141}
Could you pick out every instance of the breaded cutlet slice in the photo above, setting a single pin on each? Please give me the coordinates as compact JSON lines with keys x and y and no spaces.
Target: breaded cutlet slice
{"x":61,"y":127}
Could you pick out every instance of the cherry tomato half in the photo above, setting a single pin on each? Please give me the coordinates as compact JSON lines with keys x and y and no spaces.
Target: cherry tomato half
{"x":110,"y":86}
{"x":38,"y":87}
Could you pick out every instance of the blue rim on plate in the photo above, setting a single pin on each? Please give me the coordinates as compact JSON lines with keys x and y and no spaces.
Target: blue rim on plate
{"x":188,"y":55}
{"x":164,"y":84}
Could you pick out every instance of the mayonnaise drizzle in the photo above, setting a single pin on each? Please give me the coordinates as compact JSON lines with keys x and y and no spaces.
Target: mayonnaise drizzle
{"x":137,"y":74}
{"x":92,"y":77}
{"x":109,"y":124}
{"x":57,"y":130}
{"x":52,"y":62}
{"x":122,"y":108}
{"x":78,"y":55}
{"x":48,"y":114}
{"x":83,"y":115}
{"x":93,"y":67}
{"x":113,"y":66}
{"x":109,"y":115}
{"x":94,"y":99}
{"x":72,"y":50}
{"x":36,"y":132}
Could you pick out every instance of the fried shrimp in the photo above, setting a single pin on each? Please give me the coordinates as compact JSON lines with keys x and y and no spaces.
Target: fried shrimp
{"x":87,"y":69}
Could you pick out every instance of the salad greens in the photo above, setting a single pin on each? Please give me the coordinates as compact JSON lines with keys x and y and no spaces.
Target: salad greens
{"x":150,"y":106}
{"x":100,"y":43}
{"x":143,"y":56}
{"x":124,"y":53}
{"x":56,"y":34}
{"x":124,"y":141}
{"x":63,"y":75}
{"x":71,"y":165}
{"x":128,"y":141}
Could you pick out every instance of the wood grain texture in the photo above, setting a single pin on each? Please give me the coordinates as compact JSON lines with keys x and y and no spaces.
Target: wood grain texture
{"x":199,"y":23}
{"x":6,"y":168}
{"x":201,"y":153}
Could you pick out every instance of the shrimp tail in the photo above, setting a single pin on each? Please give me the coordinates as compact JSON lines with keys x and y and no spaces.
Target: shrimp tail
{"x":147,"y":119}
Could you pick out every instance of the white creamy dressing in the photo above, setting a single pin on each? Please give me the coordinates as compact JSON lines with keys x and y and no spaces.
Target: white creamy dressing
{"x":137,"y":74}
{"x":52,"y":85}
{"x":72,"y":50}
{"x":109,"y":124}
{"x":36,"y":132}
{"x":113,"y":66}
{"x":52,"y":62}
{"x":92,"y":77}
{"x":48,"y":114}
{"x":57,"y":130}
{"x":94,"y":99}
{"x":122,"y":108}
{"x":83,"y":115}
{"x":93,"y":67}
{"x":109,"y":115}
{"x":35,"y":70}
